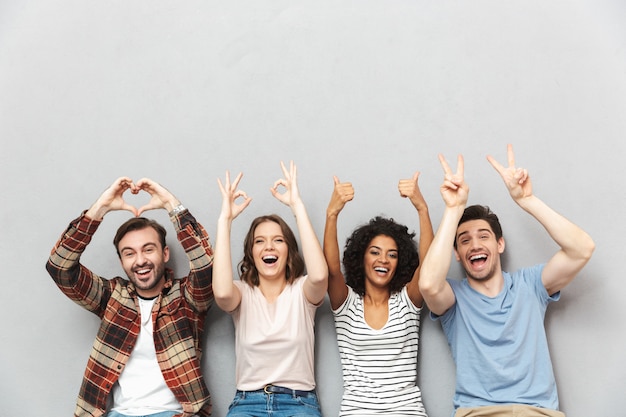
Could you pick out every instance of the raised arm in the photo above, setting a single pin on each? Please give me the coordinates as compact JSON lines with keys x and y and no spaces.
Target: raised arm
{"x":576,"y":246}
{"x":317,"y":271}
{"x":433,"y":285}
{"x":337,"y":288}
{"x":193,"y":238}
{"x":227,"y":295}
{"x":409,"y":188}
{"x":73,"y":279}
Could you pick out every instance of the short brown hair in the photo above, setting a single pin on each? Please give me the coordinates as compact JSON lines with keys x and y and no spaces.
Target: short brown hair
{"x":138,"y":223}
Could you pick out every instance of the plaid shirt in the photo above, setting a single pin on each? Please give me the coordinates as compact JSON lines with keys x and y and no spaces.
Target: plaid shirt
{"x":178,"y":320}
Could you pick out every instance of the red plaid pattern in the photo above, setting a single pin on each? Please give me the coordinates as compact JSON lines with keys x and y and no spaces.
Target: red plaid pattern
{"x":179,"y":324}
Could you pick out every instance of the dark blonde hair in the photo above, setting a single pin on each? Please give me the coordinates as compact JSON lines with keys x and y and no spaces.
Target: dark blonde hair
{"x":295,"y":262}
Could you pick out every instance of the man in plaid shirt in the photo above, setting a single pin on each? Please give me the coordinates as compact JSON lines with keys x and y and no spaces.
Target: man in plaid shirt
{"x":147,"y":351}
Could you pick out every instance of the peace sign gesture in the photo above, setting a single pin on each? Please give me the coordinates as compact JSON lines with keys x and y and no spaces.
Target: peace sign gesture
{"x":454,"y":189}
{"x":516,"y":179}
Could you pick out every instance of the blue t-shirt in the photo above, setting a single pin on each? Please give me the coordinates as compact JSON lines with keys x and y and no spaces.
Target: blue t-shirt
{"x":499,"y":344}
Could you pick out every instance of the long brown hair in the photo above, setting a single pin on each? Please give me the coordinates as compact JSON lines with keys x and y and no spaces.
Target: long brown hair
{"x":295,"y":262}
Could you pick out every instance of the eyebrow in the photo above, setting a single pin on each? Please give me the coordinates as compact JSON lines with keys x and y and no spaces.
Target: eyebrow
{"x":379,"y":248}
{"x":143,"y":247}
{"x":467,"y":232}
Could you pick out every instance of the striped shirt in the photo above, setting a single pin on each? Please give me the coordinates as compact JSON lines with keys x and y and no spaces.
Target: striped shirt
{"x":178,"y":323}
{"x":379,"y":366}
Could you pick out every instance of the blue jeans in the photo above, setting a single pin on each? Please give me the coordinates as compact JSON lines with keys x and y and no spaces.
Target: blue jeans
{"x":163,"y":414}
{"x":260,"y":404}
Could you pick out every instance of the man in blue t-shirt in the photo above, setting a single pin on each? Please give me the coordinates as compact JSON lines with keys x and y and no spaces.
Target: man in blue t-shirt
{"x":493,"y":320}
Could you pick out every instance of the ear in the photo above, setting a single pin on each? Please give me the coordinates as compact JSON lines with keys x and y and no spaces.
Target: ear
{"x":501,"y":245}
{"x":166,"y":254}
{"x":456,"y":254}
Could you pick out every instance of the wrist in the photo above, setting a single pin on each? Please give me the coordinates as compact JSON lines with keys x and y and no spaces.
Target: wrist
{"x":174,"y":209}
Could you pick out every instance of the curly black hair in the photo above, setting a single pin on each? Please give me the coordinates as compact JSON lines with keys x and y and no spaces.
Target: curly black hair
{"x":358,"y":242}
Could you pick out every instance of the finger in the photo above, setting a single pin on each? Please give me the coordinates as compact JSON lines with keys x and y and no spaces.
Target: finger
{"x":293,"y":170}
{"x":222,"y":189}
{"x":237,"y":179}
{"x":497,"y":165}
{"x":336,"y":180}
{"x":510,"y":155}
{"x":444,"y":165}
{"x":460,"y":166}
{"x":416,"y":176}
{"x":282,"y":166}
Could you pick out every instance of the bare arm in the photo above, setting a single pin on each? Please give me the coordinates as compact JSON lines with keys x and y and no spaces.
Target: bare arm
{"x":317,"y":271}
{"x":576,"y":246}
{"x":337,"y":288}
{"x":435,"y":289}
{"x":227,"y":295}
{"x":409,"y":188}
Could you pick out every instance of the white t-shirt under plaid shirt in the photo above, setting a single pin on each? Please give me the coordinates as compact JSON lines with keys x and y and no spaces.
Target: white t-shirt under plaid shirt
{"x":379,"y":366}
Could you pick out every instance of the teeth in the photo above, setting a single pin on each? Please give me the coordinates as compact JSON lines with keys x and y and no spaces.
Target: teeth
{"x":270,"y":259}
{"x":383,"y":270}
{"x":476,"y":257}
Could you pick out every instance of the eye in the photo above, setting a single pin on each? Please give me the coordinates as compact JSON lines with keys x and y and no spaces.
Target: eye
{"x":127,"y":254}
{"x":374,"y":252}
{"x":393,"y":255}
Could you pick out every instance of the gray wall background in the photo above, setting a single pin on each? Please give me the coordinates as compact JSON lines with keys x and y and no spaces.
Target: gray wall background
{"x":367,"y":90}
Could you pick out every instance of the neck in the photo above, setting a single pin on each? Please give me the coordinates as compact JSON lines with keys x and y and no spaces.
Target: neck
{"x":491,"y":286}
{"x":271,"y":289}
{"x":376,"y":296}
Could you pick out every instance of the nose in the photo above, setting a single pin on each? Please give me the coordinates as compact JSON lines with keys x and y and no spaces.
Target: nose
{"x":140,"y":258}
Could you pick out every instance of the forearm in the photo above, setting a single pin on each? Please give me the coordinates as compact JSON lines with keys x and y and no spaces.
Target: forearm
{"x":226,"y":294}
{"x":317,"y":270}
{"x":574,"y":242}
{"x":74,"y":280}
{"x":426,"y":234}
{"x":436,"y":263}
{"x":195,"y":241}
{"x":331,"y":246}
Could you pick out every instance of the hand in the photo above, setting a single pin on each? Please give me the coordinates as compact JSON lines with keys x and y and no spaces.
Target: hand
{"x":410,"y":189}
{"x":291,"y":195}
{"x":454,"y":189}
{"x":516,"y":180}
{"x":160,"y":196}
{"x":112,"y":199}
{"x":230,"y":193}
{"x":342,"y":193}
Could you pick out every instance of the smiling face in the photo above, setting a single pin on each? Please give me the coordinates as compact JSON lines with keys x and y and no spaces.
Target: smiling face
{"x":380,"y":261}
{"x":143,"y":259}
{"x":270,"y":251}
{"x":478,"y":250}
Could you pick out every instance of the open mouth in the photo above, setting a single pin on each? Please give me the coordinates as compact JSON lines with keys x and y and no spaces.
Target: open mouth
{"x":478,"y":259}
{"x":270,"y":259}
{"x":381,"y":270}
{"x":142,"y":272}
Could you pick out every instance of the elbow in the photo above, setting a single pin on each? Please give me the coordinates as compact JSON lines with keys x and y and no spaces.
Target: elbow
{"x":587,"y":248}
{"x":427,"y":288}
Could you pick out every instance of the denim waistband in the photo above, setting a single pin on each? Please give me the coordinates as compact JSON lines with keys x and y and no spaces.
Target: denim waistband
{"x":276,"y":389}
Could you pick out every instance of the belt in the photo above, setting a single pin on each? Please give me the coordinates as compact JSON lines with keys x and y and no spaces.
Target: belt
{"x":275,"y":389}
